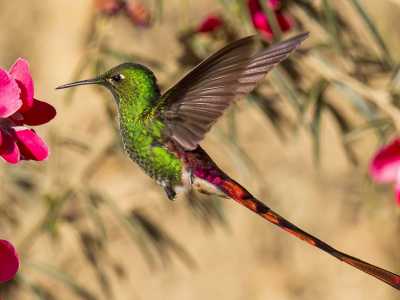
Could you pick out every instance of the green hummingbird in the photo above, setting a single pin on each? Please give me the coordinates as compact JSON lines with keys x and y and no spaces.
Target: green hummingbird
{"x":161,"y":132}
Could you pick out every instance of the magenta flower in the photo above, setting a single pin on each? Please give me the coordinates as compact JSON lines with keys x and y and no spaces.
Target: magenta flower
{"x":209,"y":23}
{"x":261,"y":22}
{"x":18,"y":108}
{"x":385,"y":166}
{"x":9,"y":261}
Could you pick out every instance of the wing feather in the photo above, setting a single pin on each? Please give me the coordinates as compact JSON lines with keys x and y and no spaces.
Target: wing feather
{"x":198,"y":100}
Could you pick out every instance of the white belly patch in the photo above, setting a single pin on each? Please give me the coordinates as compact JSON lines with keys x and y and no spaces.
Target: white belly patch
{"x":186,"y":182}
{"x":197,"y":184}
{"x":205,"y":187}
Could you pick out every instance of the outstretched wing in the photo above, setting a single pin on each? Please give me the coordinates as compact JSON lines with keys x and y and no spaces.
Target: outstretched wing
{"x":194,"y":104}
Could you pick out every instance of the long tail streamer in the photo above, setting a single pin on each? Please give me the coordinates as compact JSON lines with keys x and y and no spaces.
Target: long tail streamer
{"x":240,"y":195}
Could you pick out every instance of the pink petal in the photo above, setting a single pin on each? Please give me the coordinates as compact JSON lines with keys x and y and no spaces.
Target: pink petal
{"x":20,"y":72}
{"x":397,"y":192}
{"x":9,"y":261}
{"x":40,"y":113}
{"x":285,"y":22}
{"x":273,"y":4}
{"x":31,"y":146}
{"x":260,"y":21}
{"x":9,"y":95}
{"x":8,"y":149}
{"x":253,"y":6}
{"x":386,"y":163}
{"x":210,"y":24}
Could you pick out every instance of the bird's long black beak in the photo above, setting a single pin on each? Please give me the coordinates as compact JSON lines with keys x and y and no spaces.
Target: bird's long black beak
{"x":83,"y":82}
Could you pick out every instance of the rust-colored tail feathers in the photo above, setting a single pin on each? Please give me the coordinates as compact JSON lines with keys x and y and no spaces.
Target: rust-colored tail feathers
{"x":240,"y":195}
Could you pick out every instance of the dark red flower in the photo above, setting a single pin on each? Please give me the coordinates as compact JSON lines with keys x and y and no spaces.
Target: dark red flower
{"x":9,"y":261}
{"x":18,"y":108}
{"x":210,"y":23}
{"x":261,"y":22}
{"x":285,"y":21}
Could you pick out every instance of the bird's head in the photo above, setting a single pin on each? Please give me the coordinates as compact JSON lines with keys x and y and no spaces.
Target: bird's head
{"x":129,"y":83}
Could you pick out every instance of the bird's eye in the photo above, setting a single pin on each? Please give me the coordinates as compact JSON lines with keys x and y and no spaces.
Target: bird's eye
{"x":117,"y":78}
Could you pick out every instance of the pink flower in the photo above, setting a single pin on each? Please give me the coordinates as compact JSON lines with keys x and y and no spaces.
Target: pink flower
{"x":18,"y":108}
{"x":210,"y":23}
{"x":261,"y":22}
{"x":138,"y":14}
{"x":255,"y":6}
{"x":9,"y":261}
{"x":385,"y":166}
{"x":109,"y":7}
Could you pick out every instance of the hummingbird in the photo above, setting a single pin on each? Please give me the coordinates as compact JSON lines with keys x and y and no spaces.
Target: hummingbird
{"x":161,"y":132}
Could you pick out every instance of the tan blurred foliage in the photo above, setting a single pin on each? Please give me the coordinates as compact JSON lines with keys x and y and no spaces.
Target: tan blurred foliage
{"x":247,"y":258}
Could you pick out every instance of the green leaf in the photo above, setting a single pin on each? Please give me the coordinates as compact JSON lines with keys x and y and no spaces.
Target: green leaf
{"x":287,"y":86}
{"x":313,"y":16}
{"x":357,"y":132}
{"x":22,"y":184}
{"x":38,"y":292}
{"x":395,"y":83}
{"x":233,"y":130}
{"x":358,"y":101}
{"x":74,"y":143}
{"x":126,"y":222}
{"x":61,"y":277}
{"x":160,"y":239}
{"x":316,"y":130}
{"x":371,"y":26}
{"x":244,"y":14}
{"x":241,"y":160}
{"x":92,"y":248}
{"x":311,"y":98}
{"x":206,"y":208}
{"x":277,"y":119}
{"x":330,"y":17}
{"x":344,"y":126}
{"x":93,"y":208}
{"x":55,"y":204}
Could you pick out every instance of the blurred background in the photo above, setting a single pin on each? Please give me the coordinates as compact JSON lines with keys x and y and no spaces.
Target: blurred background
{"x":88,"y":224}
